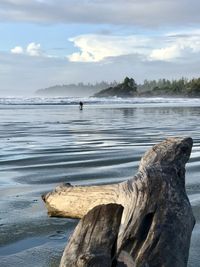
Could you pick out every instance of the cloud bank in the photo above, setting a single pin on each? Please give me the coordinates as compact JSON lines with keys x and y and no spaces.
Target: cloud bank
{"x":99,"y":40}
{"x":166,"y":47}
{"x":151,"y":13}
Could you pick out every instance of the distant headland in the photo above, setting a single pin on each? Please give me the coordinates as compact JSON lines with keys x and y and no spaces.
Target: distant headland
{"x":128,"y":88}
{"x":162,"y":87}
{"x":72,"y":90}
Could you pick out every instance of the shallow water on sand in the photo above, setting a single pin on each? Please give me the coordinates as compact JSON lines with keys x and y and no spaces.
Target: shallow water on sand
{"x":44,"y":145}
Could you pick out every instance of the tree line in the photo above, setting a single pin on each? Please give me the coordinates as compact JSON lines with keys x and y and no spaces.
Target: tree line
{"x":181,"y":86}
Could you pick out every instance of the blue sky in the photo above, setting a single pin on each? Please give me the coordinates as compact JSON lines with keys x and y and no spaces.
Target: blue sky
{"x":44,"y":43}
{"x":53,"y":37}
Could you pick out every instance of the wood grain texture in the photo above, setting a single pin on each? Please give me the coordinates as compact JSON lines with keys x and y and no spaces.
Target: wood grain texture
{"x":93,"y":242}
{"x":157,"y":219}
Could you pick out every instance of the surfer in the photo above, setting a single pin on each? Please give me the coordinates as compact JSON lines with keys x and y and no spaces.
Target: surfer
{"x":81,"y":105}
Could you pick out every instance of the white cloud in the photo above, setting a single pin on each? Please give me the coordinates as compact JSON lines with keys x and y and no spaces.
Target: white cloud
{"x":81,"y":57}
{"x":166,"y":47}
{"x":34,"y":50}
{"x":17,"y":50}
{"x":94,"y":48}
{"x":28,"y":74}
{"x":181,"y":45}
{"x":165,"y":54}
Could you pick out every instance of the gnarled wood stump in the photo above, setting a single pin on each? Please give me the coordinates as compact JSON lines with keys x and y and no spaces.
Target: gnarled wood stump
{"x":157,"y":219}
{"x":95,"y":238}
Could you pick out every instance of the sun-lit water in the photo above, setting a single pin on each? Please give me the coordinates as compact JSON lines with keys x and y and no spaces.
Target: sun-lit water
{"x":48,"y":141}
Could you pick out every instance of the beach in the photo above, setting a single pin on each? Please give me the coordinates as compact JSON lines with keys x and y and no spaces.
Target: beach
{"x":45,"y":142}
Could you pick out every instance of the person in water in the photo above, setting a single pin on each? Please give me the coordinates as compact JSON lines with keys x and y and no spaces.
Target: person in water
{"x":81,"y":105}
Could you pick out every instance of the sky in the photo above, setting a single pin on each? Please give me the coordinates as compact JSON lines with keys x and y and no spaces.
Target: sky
{"x":49,"y":42}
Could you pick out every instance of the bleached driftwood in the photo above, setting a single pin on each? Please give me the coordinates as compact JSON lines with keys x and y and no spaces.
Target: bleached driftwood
{"x":157,"y":219}
{"x":93,"y":242}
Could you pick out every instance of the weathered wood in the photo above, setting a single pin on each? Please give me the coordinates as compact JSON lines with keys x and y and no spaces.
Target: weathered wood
{"x":94,"y":240}
{"x":157,"y":220}
{"x":75,"y":201}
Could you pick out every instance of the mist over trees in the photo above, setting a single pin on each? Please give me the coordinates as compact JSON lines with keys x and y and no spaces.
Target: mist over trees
{"x":127,"y":88}
{"x":79,"y":89}
{"x":182,"y":87}
{"x":162,"y":87}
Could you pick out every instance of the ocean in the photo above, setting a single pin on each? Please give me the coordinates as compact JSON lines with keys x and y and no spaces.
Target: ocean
{"x":47,"y":141}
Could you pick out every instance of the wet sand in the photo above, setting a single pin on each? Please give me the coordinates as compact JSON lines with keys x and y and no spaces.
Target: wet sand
{"x":44,"y":145}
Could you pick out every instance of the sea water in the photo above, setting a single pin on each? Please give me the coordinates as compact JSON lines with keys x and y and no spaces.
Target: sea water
{"x":47,"y":141}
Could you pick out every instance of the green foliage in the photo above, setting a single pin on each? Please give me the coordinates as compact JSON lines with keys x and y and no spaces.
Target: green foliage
{"x":174,"y":87}
{"x":194,"y":87}
{"x":126,"y":81}
{"x":161,"y":87}
{"x":128,"y":88}
{"x":129,"y":83}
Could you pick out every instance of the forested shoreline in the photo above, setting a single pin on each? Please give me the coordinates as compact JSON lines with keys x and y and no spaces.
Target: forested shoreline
{"x":180,"y":87}
{"x":128,"y":88}
{"x":162,"y":87}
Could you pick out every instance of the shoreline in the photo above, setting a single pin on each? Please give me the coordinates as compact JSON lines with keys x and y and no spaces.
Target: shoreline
{"x":45,"y":145}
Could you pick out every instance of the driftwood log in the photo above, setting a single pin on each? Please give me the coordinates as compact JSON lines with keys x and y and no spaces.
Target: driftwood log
{"x":94,"y":240}
{"x":156,"y":222}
